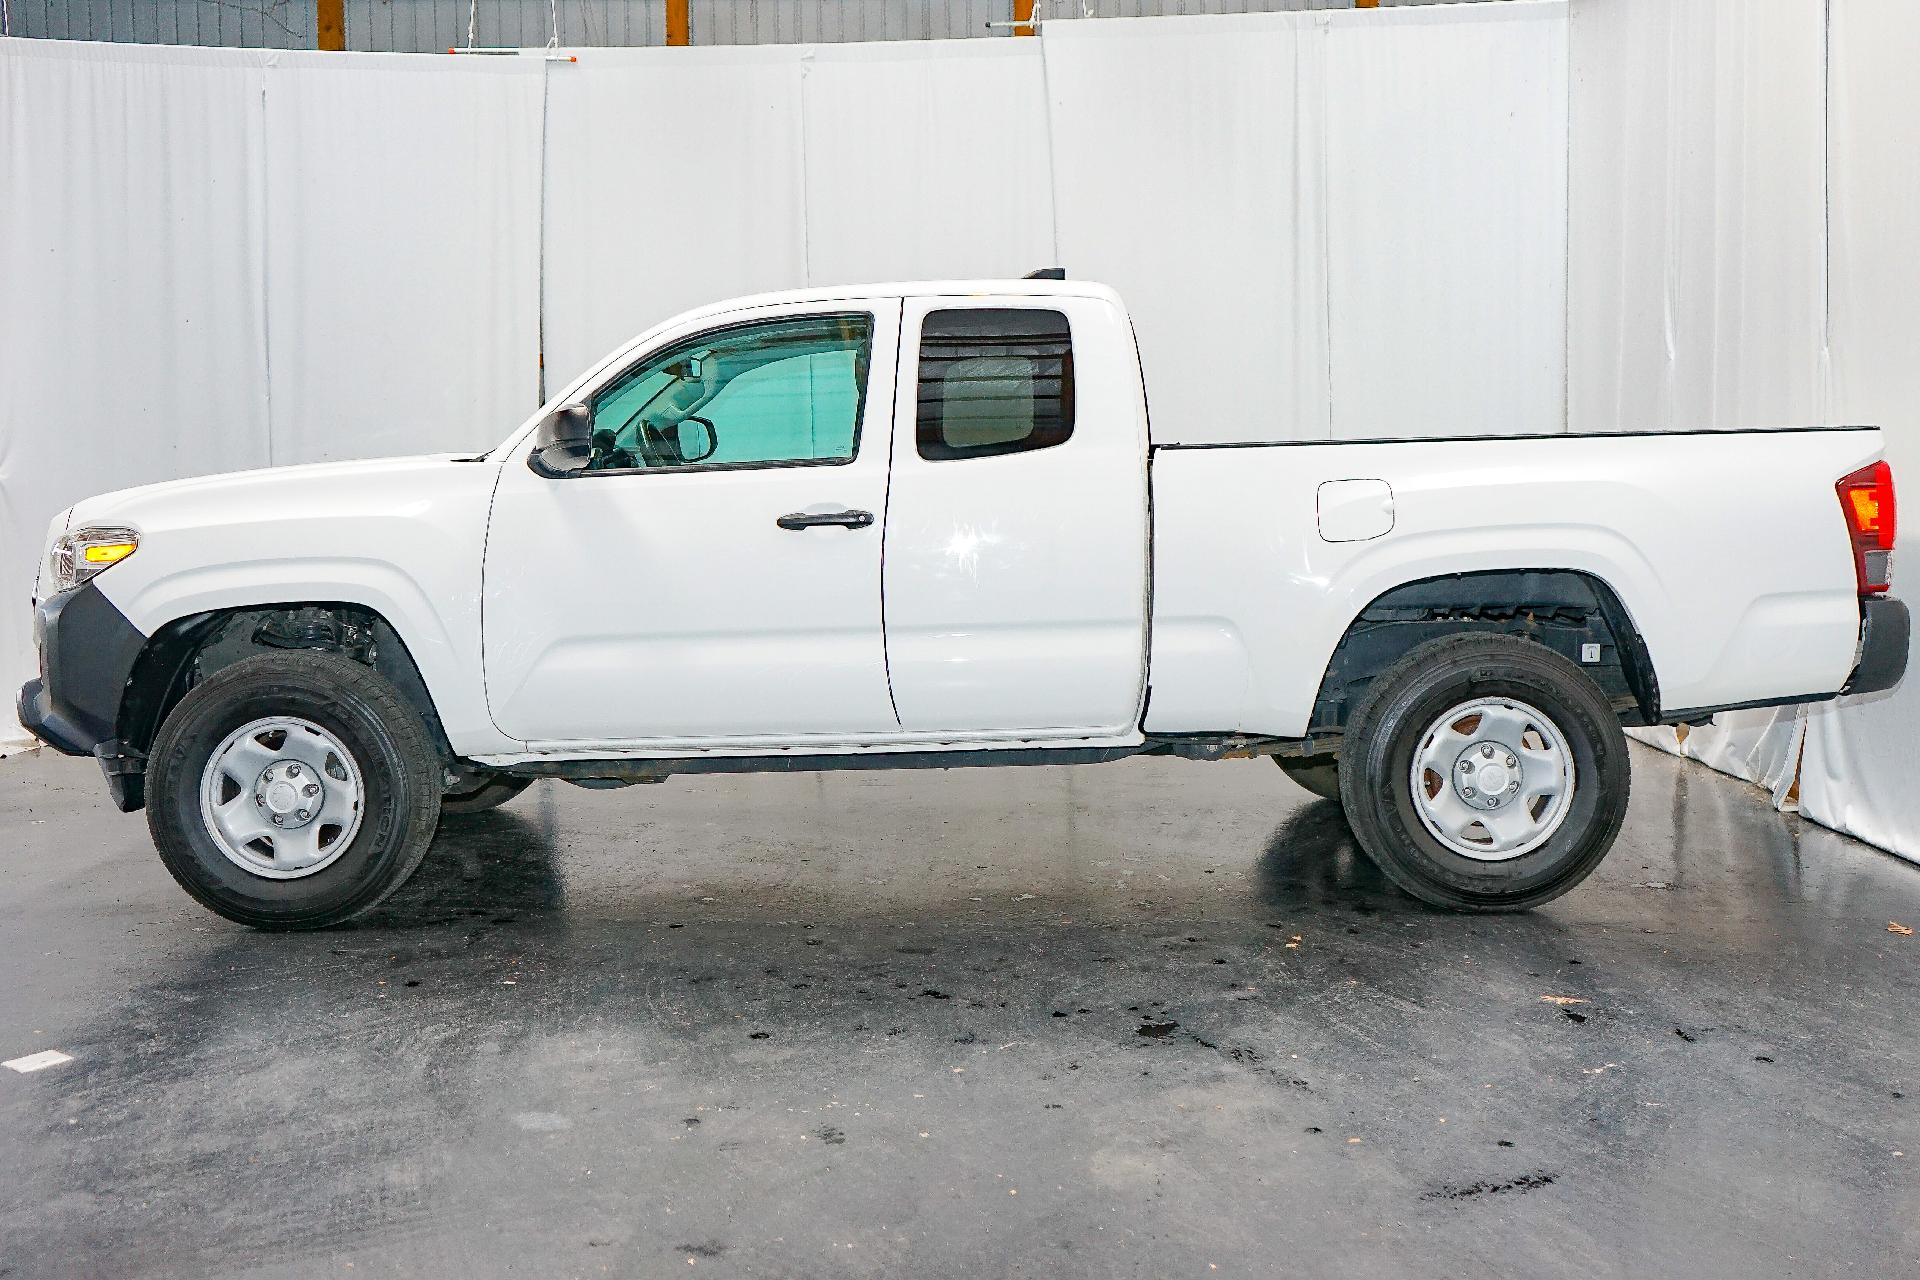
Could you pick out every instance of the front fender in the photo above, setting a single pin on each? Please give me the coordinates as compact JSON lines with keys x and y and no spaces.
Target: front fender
{"x":403,"y":539}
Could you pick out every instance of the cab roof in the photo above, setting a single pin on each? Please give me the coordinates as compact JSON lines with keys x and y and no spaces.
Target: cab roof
{"x":915,"y":289}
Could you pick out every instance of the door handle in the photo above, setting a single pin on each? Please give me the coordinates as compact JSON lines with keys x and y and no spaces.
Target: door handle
{"x":809,"y":519}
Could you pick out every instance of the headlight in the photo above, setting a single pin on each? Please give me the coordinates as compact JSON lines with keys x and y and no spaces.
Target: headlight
{"x":79,"y":555}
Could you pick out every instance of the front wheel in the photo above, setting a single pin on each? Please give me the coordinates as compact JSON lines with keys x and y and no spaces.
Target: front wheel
{"x":1484,"y":773}
{"x":293,"y":790}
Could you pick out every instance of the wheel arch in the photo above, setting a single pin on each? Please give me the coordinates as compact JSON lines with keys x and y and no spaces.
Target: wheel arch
{"x":1561,"y":609}
{"x":180,"y":654}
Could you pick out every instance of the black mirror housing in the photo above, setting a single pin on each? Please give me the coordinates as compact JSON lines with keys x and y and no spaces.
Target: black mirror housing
{"x":563,"y":441}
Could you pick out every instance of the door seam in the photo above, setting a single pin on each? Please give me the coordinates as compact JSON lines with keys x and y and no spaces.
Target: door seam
{"x":886,"y":499}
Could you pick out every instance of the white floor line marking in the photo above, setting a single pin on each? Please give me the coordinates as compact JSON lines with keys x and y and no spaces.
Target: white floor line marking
{"x":38,"y":1061}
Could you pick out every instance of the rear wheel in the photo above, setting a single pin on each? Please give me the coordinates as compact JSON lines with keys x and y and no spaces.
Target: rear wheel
{"x":490,"y":794}
{"x":293,"y":790}
{"x":1484,"y":773}
{"x":1318,"y":774}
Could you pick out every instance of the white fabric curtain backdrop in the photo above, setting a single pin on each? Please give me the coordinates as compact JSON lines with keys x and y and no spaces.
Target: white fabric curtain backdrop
{"x":678,"y":177}
{"x":381,"y":343}
{"x":1858,"y":773}
{"x":1337,"y":225}
{"x":1187,"y":159}
{"x":212,"y":260}
{"x":671,"y":182}
{"x":1447,"y":220}
{"x":132,"y":286}
{"x":1697,"y":204}
{"x":905,"y":184}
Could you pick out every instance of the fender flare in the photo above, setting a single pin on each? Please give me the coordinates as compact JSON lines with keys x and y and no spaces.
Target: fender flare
{"x":1564,"y":609}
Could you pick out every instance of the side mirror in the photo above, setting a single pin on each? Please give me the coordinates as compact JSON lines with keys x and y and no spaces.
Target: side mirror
{"x":562,"y":442}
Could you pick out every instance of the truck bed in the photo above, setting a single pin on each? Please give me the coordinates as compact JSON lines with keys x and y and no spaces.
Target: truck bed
{"x":1727,"y":549}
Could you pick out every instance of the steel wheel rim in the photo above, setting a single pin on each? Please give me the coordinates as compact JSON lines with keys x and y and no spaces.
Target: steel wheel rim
{"x":1492,"y":779}
{"x":285,"y":768}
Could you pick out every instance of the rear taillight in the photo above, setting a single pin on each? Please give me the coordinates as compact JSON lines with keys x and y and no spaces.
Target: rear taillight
{"x":1866,"y":498}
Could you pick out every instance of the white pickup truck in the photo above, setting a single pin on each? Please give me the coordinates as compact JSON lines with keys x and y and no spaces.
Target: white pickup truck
{"x":930,"y":525}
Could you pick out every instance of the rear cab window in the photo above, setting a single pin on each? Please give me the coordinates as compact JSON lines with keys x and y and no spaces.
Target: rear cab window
{"x":993,"y":381}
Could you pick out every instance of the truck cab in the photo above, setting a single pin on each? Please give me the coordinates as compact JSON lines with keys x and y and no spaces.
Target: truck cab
{"x":833,"y":523}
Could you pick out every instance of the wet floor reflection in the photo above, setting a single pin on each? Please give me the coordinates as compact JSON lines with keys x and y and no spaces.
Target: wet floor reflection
{"x":803,"y":1013}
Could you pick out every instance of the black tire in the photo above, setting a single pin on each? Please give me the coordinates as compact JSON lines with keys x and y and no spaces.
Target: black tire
{"x":400,"y":773}
{"x":1318,"y":774}
{"x":1388,"y":727}
{"x":491,"y":794}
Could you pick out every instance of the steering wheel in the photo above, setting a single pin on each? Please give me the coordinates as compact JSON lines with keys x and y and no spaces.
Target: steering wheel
{"x":607,"y":456}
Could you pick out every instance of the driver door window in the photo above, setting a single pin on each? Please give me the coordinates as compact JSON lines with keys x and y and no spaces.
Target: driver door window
{"x":781,"y":392}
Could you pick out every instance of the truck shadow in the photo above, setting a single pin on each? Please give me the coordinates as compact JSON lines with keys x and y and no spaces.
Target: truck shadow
{"x":490,"y":866}
{"x":1312,"y":858}
{"x":502,"y":867}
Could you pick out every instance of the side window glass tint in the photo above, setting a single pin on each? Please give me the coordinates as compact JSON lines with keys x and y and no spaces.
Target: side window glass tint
{"x":778,"y":391}
{"x":993,"y":380}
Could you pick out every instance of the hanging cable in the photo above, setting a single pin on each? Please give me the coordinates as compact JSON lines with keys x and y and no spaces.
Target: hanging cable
{"x":553,"y":37}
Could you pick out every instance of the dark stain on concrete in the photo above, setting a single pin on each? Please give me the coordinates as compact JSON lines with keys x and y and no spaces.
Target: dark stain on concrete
{"x":1521,"y":1185}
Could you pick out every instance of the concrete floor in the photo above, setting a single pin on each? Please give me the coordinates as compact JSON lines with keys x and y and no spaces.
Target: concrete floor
{"x":1152,"y":1019}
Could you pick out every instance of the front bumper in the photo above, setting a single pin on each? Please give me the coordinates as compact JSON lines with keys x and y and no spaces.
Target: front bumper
{"x":1885,"y":628}
{"x":43,"y":721}
{"x":87,"y":655}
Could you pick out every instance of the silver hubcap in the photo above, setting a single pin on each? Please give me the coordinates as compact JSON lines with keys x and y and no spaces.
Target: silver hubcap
{"x":281,"y":797}
{"x":1492,"y":779}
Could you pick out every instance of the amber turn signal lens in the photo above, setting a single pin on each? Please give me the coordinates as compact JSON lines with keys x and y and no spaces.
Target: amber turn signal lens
{"x":108,"y":552}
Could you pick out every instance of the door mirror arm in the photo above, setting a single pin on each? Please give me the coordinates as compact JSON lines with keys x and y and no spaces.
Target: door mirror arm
{"x":562,"y":444}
